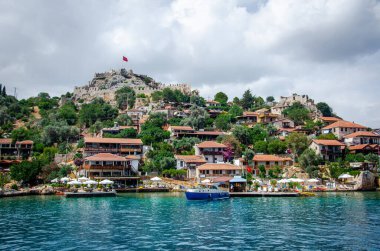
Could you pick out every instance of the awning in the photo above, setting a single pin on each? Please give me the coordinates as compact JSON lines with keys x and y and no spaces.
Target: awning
{"x":238,"y":179}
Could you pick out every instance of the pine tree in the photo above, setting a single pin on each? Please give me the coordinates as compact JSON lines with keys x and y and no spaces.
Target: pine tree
{"x":1,"y":87}
{"x":4,"y":93}
{"x":247,"y":100}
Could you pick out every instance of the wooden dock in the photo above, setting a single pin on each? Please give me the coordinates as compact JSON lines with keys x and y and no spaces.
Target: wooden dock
{"x":89,"y":194}
{"x":142,"y":190}
{"x":264,"y":194}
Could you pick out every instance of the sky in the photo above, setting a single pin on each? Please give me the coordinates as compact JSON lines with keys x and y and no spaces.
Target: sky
{"x":328,"y":49}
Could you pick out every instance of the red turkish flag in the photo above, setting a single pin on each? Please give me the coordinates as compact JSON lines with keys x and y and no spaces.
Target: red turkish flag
{"x":125,"y":59}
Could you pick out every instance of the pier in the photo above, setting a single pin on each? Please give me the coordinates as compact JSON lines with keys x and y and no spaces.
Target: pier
{"x":89,"y":194}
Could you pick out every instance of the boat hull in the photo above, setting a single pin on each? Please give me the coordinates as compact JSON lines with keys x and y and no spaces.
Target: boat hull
{"x":207,"y":195}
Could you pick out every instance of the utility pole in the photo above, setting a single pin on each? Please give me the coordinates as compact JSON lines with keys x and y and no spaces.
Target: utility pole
{"x":15,"y":93}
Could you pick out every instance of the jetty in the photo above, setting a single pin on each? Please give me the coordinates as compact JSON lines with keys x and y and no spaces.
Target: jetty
{"x":264,"y":194}
{"x":143,"y":190}
{"x":90,"y":194}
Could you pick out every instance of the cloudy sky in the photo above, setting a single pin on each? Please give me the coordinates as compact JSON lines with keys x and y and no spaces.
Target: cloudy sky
{"x":328,"y":49}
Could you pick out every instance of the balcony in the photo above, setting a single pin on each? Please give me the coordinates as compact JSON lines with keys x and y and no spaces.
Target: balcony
{"x":100,"y":167}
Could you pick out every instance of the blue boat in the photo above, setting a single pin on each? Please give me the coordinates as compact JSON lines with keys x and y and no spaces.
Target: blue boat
{"x":212,"y":193}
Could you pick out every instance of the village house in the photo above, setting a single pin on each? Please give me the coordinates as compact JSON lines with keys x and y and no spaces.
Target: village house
{"x":211,"y":150}
{"x":179,"y":131}
{"x":215,"y":170}
{"x":264,"y":116}
{"x":122,"y":170}
{"x":269,"y":162}
{"x":135,"y":115}
{"x":19,"y":150}
{"x":329,"y":150}
{"x":212,"y":103}
{"x":283,"y":123}
{"x":189,"y":163}
{"x":122,"y":147}
{"x":248,"y":118}
{"x":361,"y":137}
{"x":365,"y":149}
{"x":342,"y":128}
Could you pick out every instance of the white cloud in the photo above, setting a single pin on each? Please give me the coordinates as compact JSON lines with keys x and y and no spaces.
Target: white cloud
{"x":327,"y":49}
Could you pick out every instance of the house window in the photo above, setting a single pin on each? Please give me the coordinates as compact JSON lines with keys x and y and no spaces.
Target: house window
{"x":267,"y":163}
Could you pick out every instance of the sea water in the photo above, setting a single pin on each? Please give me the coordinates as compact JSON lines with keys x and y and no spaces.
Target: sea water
{"x":167,"y":221}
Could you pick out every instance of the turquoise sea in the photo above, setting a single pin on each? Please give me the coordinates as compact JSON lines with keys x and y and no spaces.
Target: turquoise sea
{"x":334,"y":221}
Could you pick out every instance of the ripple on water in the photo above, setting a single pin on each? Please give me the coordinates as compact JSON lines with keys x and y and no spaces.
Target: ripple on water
{"x":164,"y":222}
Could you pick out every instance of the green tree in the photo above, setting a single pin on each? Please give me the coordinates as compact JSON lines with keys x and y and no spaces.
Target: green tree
{"x":235,"y":111}
{"x":262,"y":172}
{"x":243,"y":134}
{"x":124,"y":120}
{"x":258,"y":133}
{"x":247,"y":100}
{"x":184,"y":145}
{"x":59,"y":132}
{"x":26,"y":171}
{"x":125,"y":133}
{"x":325,"y":109}
{"x":236,"y":101}
{"x":223,"y":122}
{"x":277,"y":147}
{"x":297,"y":142}
{"x":68,"y":113}
{"x":297,"y":112}
{"x":197,"y":119}
{"x":261,"y":147}
{"x":327,"y":136}
{"x":20,"y":134}
{"x":221,"y":97}
{"x":125,"y":97}
{"x":157,"y":96}
{"x":309,"y":161}
{"x":270,"y":99}
{"x":97,"y":110}
{"x":198,"y":100}
{"x":373,"y":158}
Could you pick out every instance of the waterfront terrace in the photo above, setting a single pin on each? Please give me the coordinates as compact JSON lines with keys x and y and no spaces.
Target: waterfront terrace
{"x":269,"y":162}
{"x":118,"y":146}
{"x":213,"y":170}
{"x":189,"y":163}
{"x":330,"y":150}
{"x":18,"y":150}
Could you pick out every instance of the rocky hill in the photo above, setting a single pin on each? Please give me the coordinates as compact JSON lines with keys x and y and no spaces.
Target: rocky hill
{"x":104,"y":85}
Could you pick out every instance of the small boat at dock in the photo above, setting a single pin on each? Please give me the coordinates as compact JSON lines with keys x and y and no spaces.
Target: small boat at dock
{"x":207,"y":193}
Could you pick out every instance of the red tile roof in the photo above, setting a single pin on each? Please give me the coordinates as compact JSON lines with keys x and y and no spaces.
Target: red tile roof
{"x":328,"y":142}
{"x":106,"y":157}
{"x":344,"y":124}
{"x":268,"y":157}
{"x":191,"y":158}
{"x":208,"y":133}
{"x":211,"y":144}
{"x":113,"y":141}
{"x":25,"y":142}
{"x":330,"y":119}
{"x":359,"y":147}
{"x":361,"y":133}
{"x":5,"y":141}
{"x":218,"y":166}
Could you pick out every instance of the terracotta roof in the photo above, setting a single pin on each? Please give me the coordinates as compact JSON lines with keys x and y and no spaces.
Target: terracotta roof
{"x":218,"y":166}
{"x":212,"y":102}
{"x":113,"y":141}
{"x":344,"y":124}
{"x":249,"y":114}
{"x":211,"y":144}
{"x":5,"y":141}
{"x":188,"y":128}
{"x":328,"y":142}
{"x":287,"y":129}
{"x":191,"y":158}
{"x":359,"y":147}
{"x":25,"y":142}
{"x":268,"y":157}
{"x":106,"y":157}
{"x":361,"y":133}
{"x":330,"y":119}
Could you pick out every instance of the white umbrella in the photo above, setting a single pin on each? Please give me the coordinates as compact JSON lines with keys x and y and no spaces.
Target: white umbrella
{"x":313,"y":180}
{"x":54,"y":181}
{"x":283,"y":181}
{"x":74,"y":182}
{"x":296,"y":180}
{"x":345,"y":176}
{"x":65,"y":179}
{"x":83,"y":179}
{"x":206,"y":181}
{"x":106,"y":182}
{"x":258,"y":181}
{"x":156,"y":179}
{"x":90,"y":182}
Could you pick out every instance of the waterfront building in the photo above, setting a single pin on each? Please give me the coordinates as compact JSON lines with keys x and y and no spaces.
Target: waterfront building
{"x":118,"y":146}
{"x":116,"y":129}
{"x":113,"y":167}
{"x":329,"y":150}
{"x":214,"y":170}
{"x":342,"y":128}
{"x":269,"y":162}
{"x":18,"y":150}
{"x":361,"y":137}
{"x":189,"y":163}
{"x":211,"y":150}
